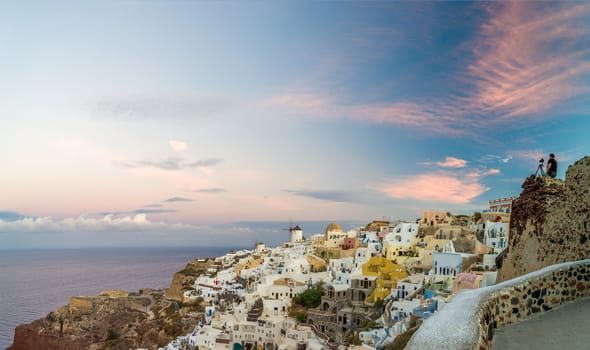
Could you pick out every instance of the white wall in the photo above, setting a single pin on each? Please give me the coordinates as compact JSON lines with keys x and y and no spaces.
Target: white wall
{"x":448,"y":264}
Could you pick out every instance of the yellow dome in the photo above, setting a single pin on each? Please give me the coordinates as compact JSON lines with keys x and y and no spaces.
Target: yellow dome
{"x":333,"y":227}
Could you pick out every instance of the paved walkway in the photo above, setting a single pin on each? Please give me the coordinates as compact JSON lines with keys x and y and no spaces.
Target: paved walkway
{"x":565,"y":328}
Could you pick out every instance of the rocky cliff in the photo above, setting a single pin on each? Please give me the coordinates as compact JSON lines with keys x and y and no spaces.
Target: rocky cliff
{"x":185,"y":279}
{"x":550,"y":222}
{"x":113,"y":320}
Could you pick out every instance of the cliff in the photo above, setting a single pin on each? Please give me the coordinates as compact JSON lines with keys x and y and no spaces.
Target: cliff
{"x":113,"y":320}
{"x":185,"y":279}
{"x":119,"y":320}
{"x":550,"y":222}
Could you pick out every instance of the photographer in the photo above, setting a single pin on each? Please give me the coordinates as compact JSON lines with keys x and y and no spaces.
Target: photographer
{"x":551,"y":166}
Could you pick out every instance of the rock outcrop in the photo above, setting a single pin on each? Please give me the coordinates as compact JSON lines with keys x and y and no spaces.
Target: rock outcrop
{"x":550,"y":222}
{"x":113,"y":320}
{"x":185,"y":279}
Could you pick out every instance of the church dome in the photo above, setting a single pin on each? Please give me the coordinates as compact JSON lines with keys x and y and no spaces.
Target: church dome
{"x":333,"y":227}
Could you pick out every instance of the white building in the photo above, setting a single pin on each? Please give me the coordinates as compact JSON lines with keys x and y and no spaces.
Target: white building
{"x":403,"y":234}
{"x":341,"y":270}
{"x":447,"y":264}
{"x":284,"y":289}
{"x":402,"y":308}
{"x":407,"y":286}
{"x":495,"y":235}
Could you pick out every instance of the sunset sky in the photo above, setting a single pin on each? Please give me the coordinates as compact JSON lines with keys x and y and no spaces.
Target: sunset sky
{"x":198,"y":122}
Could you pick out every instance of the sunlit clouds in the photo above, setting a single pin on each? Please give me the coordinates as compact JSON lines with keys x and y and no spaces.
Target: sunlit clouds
{"x":197,"y":113}
{"x":528,"y":59}
{"x":434,"y":187}
{"x":84,"y":223}
{"x":452,"y":162}
{"x":458,"y":186}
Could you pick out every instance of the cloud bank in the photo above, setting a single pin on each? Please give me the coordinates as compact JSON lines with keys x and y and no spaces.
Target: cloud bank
{"x":10,"y":215}
{"x":83,"y":223}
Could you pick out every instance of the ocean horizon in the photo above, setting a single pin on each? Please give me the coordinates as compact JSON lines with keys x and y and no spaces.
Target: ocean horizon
{"x":34,"y":282}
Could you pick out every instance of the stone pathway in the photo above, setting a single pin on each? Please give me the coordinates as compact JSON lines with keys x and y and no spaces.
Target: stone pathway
{"x":565,"y":328}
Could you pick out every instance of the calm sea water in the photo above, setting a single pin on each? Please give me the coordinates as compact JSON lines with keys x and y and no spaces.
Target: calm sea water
{"x":36,"y":282}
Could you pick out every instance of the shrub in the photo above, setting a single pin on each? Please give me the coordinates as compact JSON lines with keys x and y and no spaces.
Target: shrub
{"x":301,"y":316}
{"x":112,"y":334}
{"x":311,"y":298}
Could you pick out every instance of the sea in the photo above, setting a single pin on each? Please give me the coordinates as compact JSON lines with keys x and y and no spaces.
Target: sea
{"x":36,"y":282}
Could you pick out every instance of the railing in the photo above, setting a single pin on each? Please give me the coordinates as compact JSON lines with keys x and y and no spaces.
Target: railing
{"x":317,"y":332}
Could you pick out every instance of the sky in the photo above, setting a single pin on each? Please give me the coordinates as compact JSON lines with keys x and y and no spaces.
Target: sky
{"x":218,"y":123}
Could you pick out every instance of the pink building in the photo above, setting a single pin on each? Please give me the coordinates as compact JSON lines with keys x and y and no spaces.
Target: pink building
{"x":350,"y":243}
{"x":501,"y":205}
{"x":466,"y":281}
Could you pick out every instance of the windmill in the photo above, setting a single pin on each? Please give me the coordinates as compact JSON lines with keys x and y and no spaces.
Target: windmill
{"x":295,"y":232}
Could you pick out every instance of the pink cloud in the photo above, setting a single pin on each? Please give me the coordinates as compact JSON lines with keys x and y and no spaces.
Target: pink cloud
{"x":437,"y":118}
{"x":530,"y":58}
{"x":433,"y":116}
{"x":434,"y":187}
{"x":457,"y":188}
{"x":477,"y":173}
{"x":491,"y":172}
{"x":452,"y":162}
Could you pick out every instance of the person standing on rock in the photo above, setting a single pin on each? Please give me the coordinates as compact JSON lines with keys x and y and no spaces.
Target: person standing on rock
{"x":551,"y":166}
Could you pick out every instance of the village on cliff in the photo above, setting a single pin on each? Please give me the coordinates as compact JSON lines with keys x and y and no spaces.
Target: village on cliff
{"x":381,"y":286}
{"x":360,"y":289}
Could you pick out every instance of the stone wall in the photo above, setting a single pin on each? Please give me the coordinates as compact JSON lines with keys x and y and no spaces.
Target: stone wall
{"x":530,"y":296}
{"x":550,"y":222}
{"x":469,"y":321}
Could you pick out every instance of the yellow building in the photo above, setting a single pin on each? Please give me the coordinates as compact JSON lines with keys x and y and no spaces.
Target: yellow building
{"x":431,"y":218}
{"x":334,"y":235}
{"x":493,"y":216}
{"x":387,"y":274}
{"x":249,"y":264}
{"x":316,"y":264}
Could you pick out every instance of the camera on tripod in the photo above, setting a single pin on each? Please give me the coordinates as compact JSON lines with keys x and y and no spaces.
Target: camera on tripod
{"x":540,"y":170}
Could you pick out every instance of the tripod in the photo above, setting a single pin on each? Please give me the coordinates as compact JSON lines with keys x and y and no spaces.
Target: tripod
{"x":540,"y":171}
